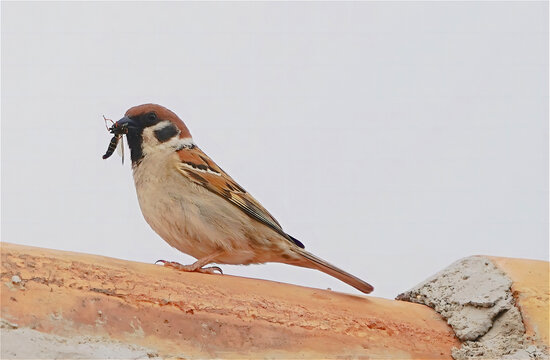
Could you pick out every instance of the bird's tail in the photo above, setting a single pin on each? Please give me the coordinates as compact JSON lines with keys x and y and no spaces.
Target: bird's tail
{"x":313,"y":262}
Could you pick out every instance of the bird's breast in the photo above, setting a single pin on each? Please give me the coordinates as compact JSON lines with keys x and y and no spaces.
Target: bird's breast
{"x":191,"y":218}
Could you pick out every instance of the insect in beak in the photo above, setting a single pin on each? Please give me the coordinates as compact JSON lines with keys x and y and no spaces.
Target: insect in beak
{"x":118,"y":129}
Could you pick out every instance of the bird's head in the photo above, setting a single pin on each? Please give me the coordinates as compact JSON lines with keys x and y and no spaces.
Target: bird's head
{"x":151,"y":128}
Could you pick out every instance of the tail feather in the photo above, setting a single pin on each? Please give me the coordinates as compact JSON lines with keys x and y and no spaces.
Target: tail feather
{"x":314,"y":262}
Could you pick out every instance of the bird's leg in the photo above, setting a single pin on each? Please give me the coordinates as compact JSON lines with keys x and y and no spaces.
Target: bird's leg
{"x":197,"y":266}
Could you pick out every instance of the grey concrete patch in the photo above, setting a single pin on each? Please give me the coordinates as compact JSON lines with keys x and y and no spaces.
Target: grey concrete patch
{"x":25,"y":343}
{"x":475,"y":298}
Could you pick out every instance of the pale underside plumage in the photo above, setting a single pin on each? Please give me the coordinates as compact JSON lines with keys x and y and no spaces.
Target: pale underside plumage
{"x":197,"y":218}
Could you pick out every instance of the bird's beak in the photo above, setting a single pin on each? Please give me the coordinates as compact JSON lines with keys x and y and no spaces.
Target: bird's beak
{"x":126,"y":121}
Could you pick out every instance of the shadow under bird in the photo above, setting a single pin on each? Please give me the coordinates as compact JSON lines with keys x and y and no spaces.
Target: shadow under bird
{"x":197,"y":208}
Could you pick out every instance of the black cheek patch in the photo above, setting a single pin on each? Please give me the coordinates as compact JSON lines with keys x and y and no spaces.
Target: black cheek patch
{"x":166,"y":133}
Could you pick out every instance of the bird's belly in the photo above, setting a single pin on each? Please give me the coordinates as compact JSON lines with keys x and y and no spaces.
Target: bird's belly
{"x":199,"y":223}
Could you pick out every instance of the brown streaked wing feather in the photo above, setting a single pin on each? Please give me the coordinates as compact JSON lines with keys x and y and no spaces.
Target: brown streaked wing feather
{"x":199,"y":168}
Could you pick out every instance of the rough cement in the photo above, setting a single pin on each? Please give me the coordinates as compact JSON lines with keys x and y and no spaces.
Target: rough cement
{"x":26,"y":343}
{"x":475,"y":298}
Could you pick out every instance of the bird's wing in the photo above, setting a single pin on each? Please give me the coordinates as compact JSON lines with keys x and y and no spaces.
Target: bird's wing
{"x":199,"y":168}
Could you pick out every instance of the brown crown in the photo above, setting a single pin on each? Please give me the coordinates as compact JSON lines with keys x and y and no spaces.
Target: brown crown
{"x":162,"y":113}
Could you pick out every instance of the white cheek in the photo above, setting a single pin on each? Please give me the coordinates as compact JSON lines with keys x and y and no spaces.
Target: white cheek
{"x":151,"y":144}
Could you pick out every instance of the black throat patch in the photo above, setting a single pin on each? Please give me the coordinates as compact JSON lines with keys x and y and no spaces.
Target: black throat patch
{"x":135,"y":138}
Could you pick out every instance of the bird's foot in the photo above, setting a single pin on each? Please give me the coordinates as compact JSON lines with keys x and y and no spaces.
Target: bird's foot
{"x":195,"y":267}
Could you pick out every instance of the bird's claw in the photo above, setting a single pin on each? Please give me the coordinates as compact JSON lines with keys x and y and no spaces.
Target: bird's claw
{"x":211,"y":270}
{"x":191,"y":268}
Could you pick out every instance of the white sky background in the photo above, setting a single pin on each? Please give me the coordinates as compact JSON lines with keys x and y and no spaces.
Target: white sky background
{"x":390,"y":138}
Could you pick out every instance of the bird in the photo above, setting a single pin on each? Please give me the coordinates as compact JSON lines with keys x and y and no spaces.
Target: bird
{"x":197,"y":208}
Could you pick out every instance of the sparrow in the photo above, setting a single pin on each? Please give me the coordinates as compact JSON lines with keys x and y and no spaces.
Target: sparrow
{"x":196,"y":207}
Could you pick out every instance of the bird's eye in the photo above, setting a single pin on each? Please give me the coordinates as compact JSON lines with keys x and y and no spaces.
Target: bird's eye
{"x":152,"y":117}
